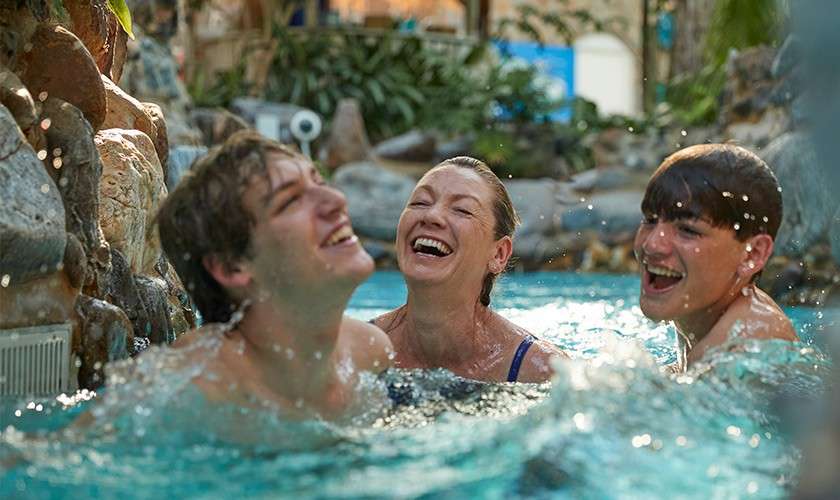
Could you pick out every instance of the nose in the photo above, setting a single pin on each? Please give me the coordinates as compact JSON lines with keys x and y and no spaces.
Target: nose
{"x":331,"y":201}
{"x":433,"y":216}
{"x":656,"y":241}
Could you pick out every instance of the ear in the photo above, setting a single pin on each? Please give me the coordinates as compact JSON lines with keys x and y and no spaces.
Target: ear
{"x":503,"y":249}
{"x":759,"y":248}
{"x":228,"y":274}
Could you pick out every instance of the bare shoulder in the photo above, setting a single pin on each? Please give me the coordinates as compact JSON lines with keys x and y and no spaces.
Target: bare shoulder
{"x":537,"y":364}
{"x":369,"y":346}
{"x":758,"y":317}
{"x":387,"y":321}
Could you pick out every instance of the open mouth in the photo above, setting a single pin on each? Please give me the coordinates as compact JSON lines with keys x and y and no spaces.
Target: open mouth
{"x":429,"y":246}
{"x":340,"y":236}
{"x":661,"y":278}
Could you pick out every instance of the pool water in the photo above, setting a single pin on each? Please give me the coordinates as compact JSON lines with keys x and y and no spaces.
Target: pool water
{"x":611,"y":425}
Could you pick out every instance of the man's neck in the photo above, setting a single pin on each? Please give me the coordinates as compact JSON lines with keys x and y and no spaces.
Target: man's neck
{"x":695,"y":327}
{"x":293,"y":346}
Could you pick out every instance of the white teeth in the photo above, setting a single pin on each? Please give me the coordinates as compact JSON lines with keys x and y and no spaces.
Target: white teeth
{"x":342,"y":233}
{"x":428,"y":242}
{"x":662,"y":271}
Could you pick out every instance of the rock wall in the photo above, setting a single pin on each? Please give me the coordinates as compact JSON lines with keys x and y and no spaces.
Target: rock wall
{"x":82,"y":172}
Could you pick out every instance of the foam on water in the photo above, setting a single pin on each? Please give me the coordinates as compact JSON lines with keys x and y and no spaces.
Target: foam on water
{"x":612,"y":423}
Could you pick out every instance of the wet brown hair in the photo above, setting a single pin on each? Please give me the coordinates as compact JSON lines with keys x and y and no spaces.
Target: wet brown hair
{"x":204,"y":215}
{"x":504,"y":215}
{"x":726,"y":185}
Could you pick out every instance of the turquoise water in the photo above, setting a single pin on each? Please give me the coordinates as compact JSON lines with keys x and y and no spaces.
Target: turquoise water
{"x":609,"y":426}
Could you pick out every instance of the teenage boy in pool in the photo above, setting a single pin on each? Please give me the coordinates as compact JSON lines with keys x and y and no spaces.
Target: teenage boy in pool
{"x":711,"y":213}
{"x":266,"y":247}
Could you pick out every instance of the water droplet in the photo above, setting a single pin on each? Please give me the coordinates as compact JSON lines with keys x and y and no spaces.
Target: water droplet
{"x":42,"y":154}
{"x":747,"y":215}
{"x":630,"y":129}
{"x":681,"y":441}
{"x":318,"y":355}
{"x":751,"y":264}
{"x":679,"y":204}
{"x":765,"y":219}
{"x":727,"y":194}
{"x":43,"y":96}
{"x":589,"y":207}
{"x":745,"y":198}
{"x":57,"y":163}
{"x":45,"y":188}
{"x":18,"y":413}
{"x":45,"y":124}
{"x":749,"y":247}
{"x":752,"y":488}
{"x":290,"y":354}
{"x":755,"y":440}
{"x":712,"y":471}
{"x":57,"y":152}
{"x":737,"y":226}
{"x":4,"y":281}
{"x":683,"y":133}
{"x":510,"y":176}
{"x":733,"y":431}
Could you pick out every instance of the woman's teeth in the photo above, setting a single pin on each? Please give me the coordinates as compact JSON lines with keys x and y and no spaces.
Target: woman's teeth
{"x":340,"y":235}
{"x":422,"y":244}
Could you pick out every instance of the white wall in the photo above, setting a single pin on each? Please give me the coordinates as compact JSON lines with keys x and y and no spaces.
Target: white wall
{"x":606,"y":73}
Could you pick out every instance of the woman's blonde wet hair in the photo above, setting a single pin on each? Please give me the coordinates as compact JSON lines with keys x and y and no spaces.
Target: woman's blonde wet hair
{"x":504,"y":215}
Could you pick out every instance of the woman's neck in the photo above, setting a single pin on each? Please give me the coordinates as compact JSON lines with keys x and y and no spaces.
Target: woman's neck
{"x":444,"y":329}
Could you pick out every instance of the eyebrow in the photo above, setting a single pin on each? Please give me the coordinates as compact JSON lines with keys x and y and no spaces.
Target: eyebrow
{"x":283,"y":186}
{"x":454,"y":196}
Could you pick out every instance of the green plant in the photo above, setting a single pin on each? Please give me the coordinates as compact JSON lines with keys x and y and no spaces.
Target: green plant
{"x":219,"y":89}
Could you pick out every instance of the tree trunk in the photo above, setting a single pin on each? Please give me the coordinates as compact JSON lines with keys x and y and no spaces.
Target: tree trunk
{"x":693,"y":18}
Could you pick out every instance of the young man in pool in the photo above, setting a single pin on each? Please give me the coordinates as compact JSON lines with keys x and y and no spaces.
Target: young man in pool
{"x":711,"y":213}
{"x":265,"y":247}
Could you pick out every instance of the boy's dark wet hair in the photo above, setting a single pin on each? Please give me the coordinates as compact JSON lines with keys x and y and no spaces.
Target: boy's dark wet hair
{"x":204,"y":215}
{"x":726,"y":185}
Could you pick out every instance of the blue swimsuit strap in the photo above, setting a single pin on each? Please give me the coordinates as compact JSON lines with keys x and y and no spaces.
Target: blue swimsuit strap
{"x":526,"y":343}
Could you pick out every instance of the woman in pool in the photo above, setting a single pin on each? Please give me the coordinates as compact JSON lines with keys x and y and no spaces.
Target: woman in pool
{"x":454,"y":238}
{"x":253,"y":228}
{"x":711,"y":213}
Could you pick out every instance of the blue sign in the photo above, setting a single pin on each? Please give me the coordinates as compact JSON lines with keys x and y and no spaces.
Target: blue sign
{"x":556,"y":63}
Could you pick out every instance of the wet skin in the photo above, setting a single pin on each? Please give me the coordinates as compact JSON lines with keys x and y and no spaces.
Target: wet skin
{"x":445,"y":247}
{"x":700,"y":276}
{"x":293,"y":348}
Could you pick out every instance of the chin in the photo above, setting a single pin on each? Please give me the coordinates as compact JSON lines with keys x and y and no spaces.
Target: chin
{"x":656,"y":312}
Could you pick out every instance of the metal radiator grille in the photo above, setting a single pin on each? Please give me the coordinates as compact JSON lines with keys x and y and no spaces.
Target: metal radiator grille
{"x":35,"y":361}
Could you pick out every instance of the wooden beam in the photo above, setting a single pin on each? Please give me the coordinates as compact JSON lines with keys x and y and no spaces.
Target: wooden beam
{"x":311,"y":14}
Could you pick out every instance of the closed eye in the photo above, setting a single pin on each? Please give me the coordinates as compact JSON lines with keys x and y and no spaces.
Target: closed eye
{"x":462,"y":211}
{"x":288,"y":202}
{"x":419,"y":203}
{"x":688,"y":230}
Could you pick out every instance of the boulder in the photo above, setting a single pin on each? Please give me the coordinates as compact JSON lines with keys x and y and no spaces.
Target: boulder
{"x":97,"y":27}
{"x":32,"y":234}
{"x":809,"y":204}
{"x":348,"y":140}
{"x":159,"y":135}
{"x":415,"y":145}
{"x":462,"y":145}
{"x":130,"y":190}
{"x":75,"y":80}
{"x":615,"y":215}
{"x":216,"y":124}
{"x":17,"y":100}
{"x":181,"y":159}
{"x":105,"y":335}
{"x":600,"y":179}
{"x":151,"y":74}
{"x":124,"y":111}
{"x":773,"y":123}
{"x":375,"y":197}
{"x":72,"y":159}
{"x":538,"y":202}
